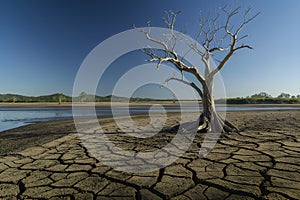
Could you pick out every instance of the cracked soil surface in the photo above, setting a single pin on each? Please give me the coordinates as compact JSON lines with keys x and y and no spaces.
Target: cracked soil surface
{"x":260,"y":162}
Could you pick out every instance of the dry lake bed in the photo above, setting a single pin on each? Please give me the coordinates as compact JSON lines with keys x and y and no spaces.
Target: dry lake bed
{"x":48,"y":160}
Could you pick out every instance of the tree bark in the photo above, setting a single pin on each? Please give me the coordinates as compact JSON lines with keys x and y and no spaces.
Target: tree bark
{"x":210,"y":120}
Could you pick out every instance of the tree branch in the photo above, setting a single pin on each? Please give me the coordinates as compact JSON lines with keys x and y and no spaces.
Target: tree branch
{"x":234,"y":37}
{"x":147,"y":34}
{"x":193,"y":85}
{"x":180,"y":66}
{"x":246,"y":20}
{"x":242,"y":47}
{"x":222,"y":63}
{"x":218,"y":49}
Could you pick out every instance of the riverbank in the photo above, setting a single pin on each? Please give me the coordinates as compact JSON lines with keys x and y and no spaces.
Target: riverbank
{"x":13,"y":117}
{"x":48,"y":159}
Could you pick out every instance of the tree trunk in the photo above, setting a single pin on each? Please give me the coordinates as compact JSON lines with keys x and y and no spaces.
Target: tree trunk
{"x":210,"y":120}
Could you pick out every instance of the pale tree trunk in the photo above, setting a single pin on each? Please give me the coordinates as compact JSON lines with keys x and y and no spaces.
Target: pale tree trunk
{"x":210,"y":121}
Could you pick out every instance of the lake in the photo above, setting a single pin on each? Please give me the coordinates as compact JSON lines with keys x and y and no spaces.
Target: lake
{"x":16,"y":117}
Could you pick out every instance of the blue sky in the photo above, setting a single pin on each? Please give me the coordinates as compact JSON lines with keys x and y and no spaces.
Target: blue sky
{"x":43,"y":43}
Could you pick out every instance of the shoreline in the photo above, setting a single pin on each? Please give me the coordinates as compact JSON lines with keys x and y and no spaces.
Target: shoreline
{"x":46,"y":131}
{"x":240,"y":108}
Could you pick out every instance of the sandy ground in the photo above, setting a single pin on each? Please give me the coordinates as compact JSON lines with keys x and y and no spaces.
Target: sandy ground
{"x":49,"y":160}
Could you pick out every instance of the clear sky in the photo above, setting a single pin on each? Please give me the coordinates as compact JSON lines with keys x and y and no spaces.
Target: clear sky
{"x":43,"y":43}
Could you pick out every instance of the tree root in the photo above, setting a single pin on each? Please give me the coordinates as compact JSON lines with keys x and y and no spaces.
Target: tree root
{"x":204,"y":125}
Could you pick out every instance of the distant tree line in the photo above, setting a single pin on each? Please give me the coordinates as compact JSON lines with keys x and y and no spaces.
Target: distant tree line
{"x":259,"y":98}
{"x":60,"y":98}
{"x":263,"y":98}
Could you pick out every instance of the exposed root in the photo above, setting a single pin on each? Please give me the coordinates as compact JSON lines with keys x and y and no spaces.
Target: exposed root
{"x":204,"y":125}
{"x":229,"y":125}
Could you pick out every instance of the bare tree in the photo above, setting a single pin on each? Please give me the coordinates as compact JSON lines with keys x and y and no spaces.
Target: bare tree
{"x":223,"y":40}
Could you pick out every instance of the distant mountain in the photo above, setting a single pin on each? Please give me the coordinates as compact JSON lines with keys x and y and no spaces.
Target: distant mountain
{"x":59,"y":97}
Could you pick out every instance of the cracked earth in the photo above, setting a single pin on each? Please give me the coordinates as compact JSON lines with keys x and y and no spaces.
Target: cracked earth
{"x":260,"y":162}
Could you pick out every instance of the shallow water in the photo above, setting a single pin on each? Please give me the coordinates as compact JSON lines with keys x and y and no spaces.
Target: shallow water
{"x":16,"y":117}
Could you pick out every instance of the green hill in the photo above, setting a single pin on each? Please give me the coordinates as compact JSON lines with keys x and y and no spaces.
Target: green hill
{"x":58,"y":97}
